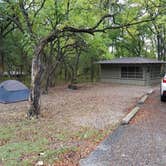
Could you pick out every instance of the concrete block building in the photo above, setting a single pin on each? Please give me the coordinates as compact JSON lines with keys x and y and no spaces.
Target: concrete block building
{"x":131,"y":70}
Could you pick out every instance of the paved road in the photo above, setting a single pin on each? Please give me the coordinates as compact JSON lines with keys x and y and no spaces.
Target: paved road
{"x":141,"y":143}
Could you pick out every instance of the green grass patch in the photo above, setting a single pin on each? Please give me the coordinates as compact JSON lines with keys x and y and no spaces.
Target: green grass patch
{"x":6,"y":132}
{"x":13,"y":153}
{"x":61,"y":137}
{"x":92,"y":134}
{"x":22,"y":142}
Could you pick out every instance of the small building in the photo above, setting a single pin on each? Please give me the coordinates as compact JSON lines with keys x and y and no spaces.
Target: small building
{"x":16,"y":74}
{"x":131,"y":70}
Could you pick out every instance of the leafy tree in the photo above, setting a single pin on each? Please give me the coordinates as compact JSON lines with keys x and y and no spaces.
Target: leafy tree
{"x":45,"y":23}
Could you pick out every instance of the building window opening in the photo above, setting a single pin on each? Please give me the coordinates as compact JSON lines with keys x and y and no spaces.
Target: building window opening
{"x":131,"y":72}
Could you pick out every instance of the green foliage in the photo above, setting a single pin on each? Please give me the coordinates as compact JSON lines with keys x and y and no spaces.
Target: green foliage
{"x":28,"y":44}
{"x":18,"y":46}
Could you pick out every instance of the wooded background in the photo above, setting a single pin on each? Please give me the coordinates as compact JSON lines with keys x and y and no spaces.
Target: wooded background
{"x":53,"y":41}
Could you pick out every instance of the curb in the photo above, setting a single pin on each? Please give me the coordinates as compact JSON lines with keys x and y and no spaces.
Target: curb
{"x":143,"y":99}
{"x":133,"y":112}
{"x":130,"y":115}
{"x":150,"y":91}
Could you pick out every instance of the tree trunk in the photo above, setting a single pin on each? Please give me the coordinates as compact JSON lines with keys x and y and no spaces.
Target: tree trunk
{"x":36,"y":75}
{"x":92,"y":70}
{"x":1,"y":64}
{"x":1,"y":58}
{"x":49,"y":73}
{"x":47,"y":84}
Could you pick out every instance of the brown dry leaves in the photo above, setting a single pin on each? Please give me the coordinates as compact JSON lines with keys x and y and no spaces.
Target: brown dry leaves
{"x":99,"y":106}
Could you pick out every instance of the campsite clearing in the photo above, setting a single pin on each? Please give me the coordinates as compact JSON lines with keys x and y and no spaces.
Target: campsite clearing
{"x":72,"y":123}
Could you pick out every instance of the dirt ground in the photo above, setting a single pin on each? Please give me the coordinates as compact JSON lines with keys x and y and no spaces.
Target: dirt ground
{"x":72,"y":123}
{"x":92,"y":105}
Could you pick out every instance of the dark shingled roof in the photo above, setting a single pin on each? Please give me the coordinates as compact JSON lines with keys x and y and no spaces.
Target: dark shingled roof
{"x":131,"y":60}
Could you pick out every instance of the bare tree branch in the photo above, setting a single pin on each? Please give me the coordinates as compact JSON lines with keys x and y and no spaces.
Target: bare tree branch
{"x":94,"y":29}
{"x":26,"y":17}
{"x":102,"y":19}
{"x":15,"y":20}
{"x":41,"y":6}
{"x":8,"y":31}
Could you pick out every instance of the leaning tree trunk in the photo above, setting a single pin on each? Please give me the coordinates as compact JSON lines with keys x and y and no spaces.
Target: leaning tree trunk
{"x":36,"y":75}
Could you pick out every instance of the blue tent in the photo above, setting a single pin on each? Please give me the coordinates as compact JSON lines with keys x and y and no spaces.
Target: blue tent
{"x":13,"y":91}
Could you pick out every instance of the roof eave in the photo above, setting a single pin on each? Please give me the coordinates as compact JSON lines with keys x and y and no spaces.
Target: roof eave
{"x":131,"y":63}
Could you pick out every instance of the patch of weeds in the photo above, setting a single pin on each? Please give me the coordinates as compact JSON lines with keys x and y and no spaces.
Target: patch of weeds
{"x":26,"y":123}
{"x":27,"y":134}
{"x":50,"y":156}
{"x":6,"y":132}
{"x":86,"y":133}
{"x":5,"y":135}
{"x":94,"y":135}
{"x":58,"y":136}
{"x":61,"y":136}
{"x":13,"y":153}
